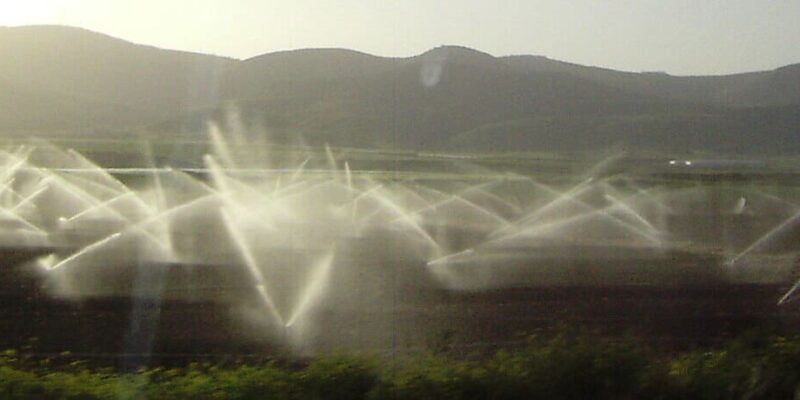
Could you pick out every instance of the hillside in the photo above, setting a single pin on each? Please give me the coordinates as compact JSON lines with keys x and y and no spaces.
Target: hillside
{"x":778,"y":87}
{"x":68,"y":80}
{"x":62,"y":71}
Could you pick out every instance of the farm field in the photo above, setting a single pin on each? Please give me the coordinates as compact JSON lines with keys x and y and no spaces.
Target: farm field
{"x":267,"y":250}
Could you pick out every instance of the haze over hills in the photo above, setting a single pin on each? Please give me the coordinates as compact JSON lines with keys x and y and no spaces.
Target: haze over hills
{"x":61,"y":80}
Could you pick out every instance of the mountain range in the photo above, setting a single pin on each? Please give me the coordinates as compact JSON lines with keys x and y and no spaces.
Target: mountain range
{"x":57,"y":80}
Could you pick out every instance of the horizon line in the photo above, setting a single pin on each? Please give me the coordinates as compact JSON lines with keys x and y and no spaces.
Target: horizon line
{"x":290,"y":50}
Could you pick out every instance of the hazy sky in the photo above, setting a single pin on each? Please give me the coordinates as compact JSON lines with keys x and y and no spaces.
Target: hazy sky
{"x":677,"y":36}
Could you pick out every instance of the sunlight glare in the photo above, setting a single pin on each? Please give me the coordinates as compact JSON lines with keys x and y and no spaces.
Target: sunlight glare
{"x":14,"y":12}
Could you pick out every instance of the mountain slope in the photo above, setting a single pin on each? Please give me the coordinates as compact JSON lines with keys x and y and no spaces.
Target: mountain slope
{"x":59,"y":79}
{"x":779,"y":87}
{"x":93,"y":68}
{"x":415,"y":102}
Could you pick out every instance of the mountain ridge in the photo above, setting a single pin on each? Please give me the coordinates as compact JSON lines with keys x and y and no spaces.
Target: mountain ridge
{"x":80,"y":29}
{"x":449,"y":97}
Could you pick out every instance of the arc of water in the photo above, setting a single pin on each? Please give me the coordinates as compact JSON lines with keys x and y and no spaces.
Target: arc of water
{"x":647,"y":194}
{"x":102,"y":172}
{"x":105,"y":205}
{"x":93,"y":204}
{"x":303,"y":190}
{"x":20,"y":159}
{"x":163,"y":231}
{"x":629,"y":211}
{"x":77,"y":180}
{"x":107,"y":183}
{"x":137,"y":227}
{"x":425,"y":194}
{"x":446,"y":259}
{"x":604,"y":164}
{"x":649,"y":234}
{"x":13,"y":195}
{"x":163,"y":214}
{"x":277,"y":185}
{"x":252,"y":266}
{"x":13,"y":216}
{"x":354,"y":209}
{"x":786,"y":203}
{"x":406,"y":219}
{"x":314,"y":289}
{"x":480,"y":210}
{"x":789,"y":293}
{"x":264,"y":213}
{"x":220,"y":146}
{"x":560,"y":198}
{"x":87,"y":250}
{"x":536,"y":230}
{"x":543,"y":228}
{"x":615,"y":195}
{"x":222,"y":195}
{"x":299,"y":192}
{"x":299,"y":171}
{"x":483,"y":192}
{"x":331,"y":159}
{"x":224,"y":188}
{"x":294,"y":187}
{"x":225,"y":183}
{"x":416,"y":200}
{"x":29,"y":199}
{"x":348,"y":176}
{"x":460,"y":199}
{"x":185,"y":176}
{"x":78,"y":193}
{"x":766,"y":237}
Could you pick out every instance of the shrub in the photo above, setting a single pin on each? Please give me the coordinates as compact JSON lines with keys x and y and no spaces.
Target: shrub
{"x":571,"y":365}
{"x":337,"y":377}
{"x":433,"y":377}
{"x":17,"y":384}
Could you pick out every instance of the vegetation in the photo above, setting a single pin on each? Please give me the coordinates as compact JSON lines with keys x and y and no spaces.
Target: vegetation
{"x":567,"y":366}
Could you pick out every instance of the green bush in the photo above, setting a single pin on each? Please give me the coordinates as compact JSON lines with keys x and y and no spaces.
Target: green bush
{"x":777,"y":375}
{"x":432,"y":377}
{"x":570,"y":365}
{"x":210,"y":382}
{"x":337,"y":377}
{"x":17,"y":384}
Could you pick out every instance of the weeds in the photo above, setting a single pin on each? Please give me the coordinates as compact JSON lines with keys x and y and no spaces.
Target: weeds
{"x":568,"y":365}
